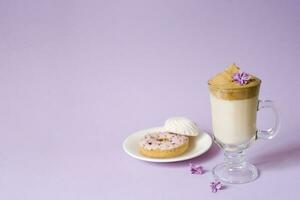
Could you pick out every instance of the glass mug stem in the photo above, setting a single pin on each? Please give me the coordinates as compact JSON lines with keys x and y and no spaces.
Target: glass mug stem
{"x":271,"y":132}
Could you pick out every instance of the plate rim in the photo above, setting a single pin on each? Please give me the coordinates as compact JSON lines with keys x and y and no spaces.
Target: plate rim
{"x":159,"y":160}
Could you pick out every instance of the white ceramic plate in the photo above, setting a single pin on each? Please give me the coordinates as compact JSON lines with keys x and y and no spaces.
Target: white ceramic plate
{"x":198,"y":145}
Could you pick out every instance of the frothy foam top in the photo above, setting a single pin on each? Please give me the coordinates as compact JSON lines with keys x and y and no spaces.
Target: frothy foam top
{"x":224,"y":86}
{"x":224,"y":79}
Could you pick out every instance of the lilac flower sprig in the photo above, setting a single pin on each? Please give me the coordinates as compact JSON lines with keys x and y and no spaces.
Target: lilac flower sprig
{"x":241,"y":78}
{"x":215,"y":186}
{"x":196,"y":169}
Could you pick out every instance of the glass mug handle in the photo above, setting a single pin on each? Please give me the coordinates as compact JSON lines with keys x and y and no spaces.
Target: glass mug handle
{"x":271,"y":132}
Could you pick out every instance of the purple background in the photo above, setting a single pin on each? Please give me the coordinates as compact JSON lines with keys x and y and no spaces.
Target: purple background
{"x":77,"y":77}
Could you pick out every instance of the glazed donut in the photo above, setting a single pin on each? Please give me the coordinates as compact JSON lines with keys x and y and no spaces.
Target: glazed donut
{"x":163,"y":145}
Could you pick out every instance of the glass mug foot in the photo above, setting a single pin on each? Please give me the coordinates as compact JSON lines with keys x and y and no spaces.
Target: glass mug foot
{"x":235,"y":169}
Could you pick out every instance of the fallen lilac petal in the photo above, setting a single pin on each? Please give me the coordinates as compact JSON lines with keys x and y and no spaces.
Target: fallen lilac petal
{"x":215,"y":186}
{"x":219,"y":186}
{"x":196,"y":169}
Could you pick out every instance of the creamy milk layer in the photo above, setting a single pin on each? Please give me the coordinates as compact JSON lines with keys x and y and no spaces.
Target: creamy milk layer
{"x":234,"y":121}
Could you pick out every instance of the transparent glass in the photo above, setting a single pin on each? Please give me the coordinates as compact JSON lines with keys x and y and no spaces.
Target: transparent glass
{"x":234,"y":130}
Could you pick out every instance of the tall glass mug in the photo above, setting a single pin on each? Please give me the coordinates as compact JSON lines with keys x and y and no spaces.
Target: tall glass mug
{"x":234,"y":108}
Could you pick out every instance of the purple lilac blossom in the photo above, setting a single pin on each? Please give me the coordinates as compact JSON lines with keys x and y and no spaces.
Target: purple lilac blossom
{"x":241,"y":78}
{"x":215,"y":186}
{"x":196,"y":169}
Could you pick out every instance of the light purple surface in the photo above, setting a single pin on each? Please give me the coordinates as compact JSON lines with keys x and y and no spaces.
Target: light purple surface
{"x":77,"y":77}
